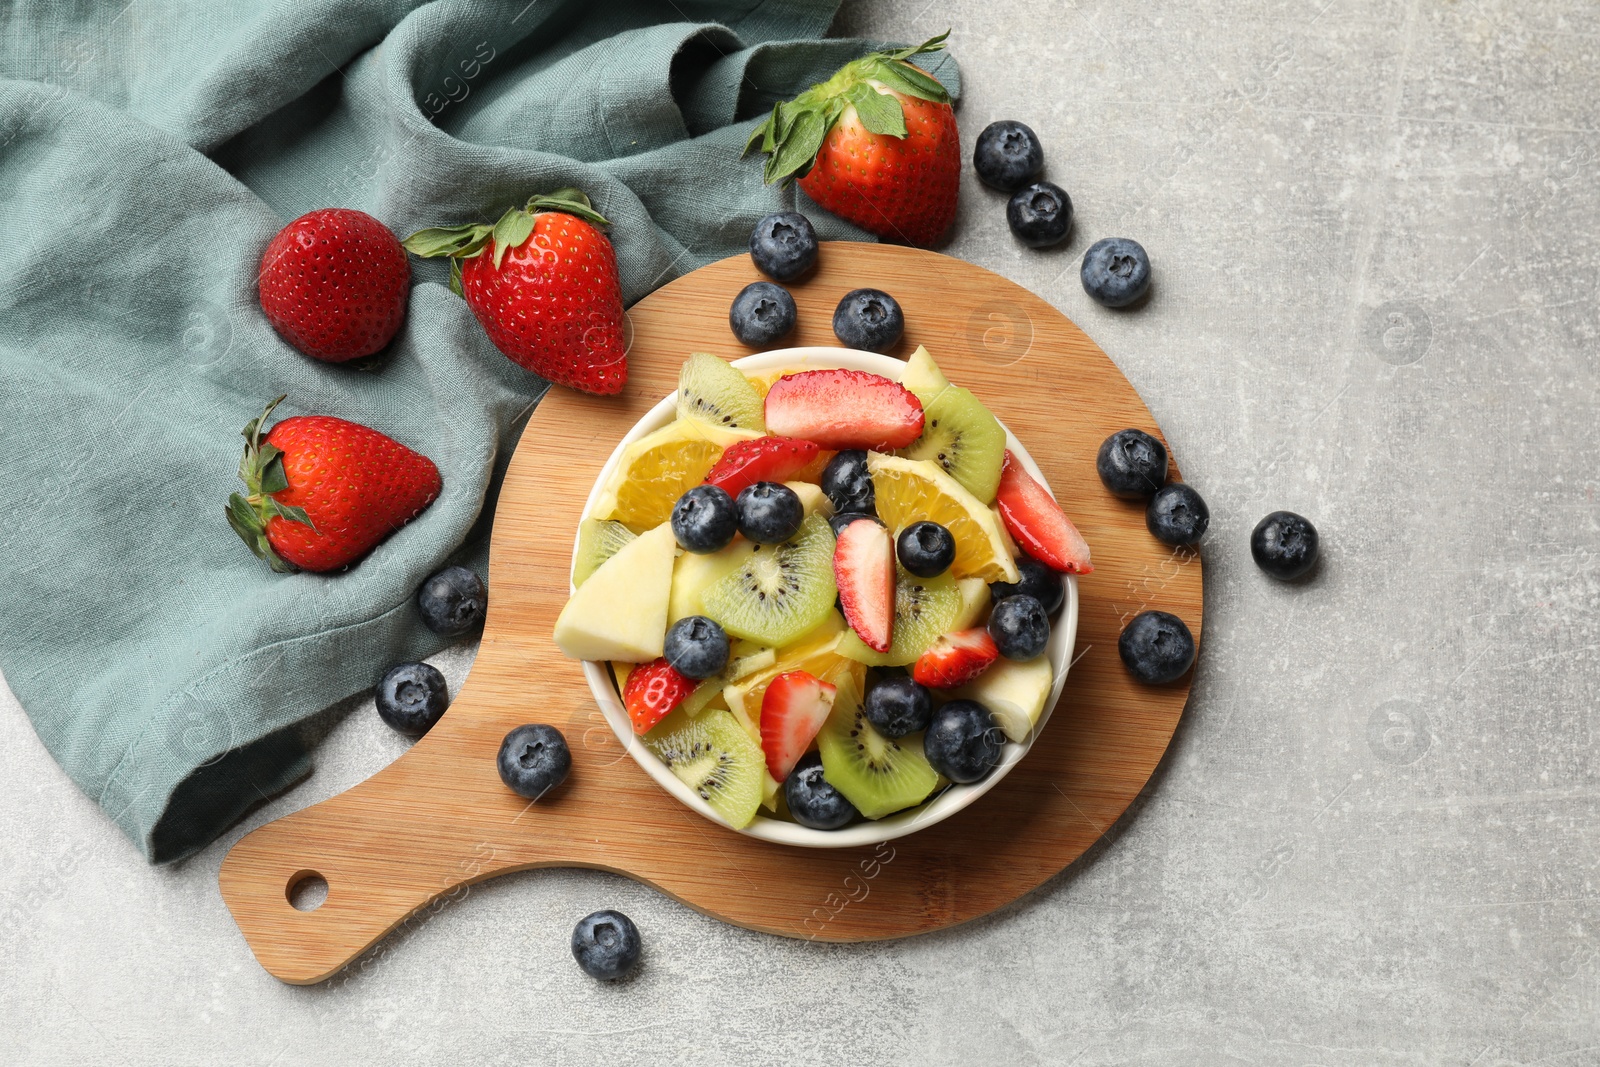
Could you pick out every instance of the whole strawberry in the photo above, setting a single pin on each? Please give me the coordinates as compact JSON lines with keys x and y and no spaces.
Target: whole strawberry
{"x":321,"y":492}
{"x":543,"y":283}
{"x":875,"y":144}
{"x":333,"y":284}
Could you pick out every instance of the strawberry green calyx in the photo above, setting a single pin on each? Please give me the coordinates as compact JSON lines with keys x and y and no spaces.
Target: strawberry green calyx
{"x":794,"y":132}
{"x":262,"y":472}
{"x":514,"y":227}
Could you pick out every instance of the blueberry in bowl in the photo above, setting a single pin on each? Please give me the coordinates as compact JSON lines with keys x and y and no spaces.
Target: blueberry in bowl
{"x":1038,"y":581}
{"x":812,"y":799}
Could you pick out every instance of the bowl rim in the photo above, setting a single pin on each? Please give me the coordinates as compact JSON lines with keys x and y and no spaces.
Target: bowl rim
{"x":953,"y":798}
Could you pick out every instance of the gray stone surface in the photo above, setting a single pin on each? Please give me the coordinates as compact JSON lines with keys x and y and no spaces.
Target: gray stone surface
{"x":1375,"y":839}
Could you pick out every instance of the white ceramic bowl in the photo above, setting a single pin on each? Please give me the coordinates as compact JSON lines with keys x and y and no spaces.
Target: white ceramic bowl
{"x":867,"y":832}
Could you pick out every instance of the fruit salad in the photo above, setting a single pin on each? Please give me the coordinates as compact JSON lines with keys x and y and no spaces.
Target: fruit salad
{"x":809,"y":590}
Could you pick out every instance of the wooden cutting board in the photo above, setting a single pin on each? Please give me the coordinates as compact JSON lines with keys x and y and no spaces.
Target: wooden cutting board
{"x":439,"y":817}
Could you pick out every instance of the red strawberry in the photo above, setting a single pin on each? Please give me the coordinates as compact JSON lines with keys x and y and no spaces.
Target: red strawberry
{"x":863,"y":568}
{"x":794,"y":709}
{"x":956,"y":659}
{"x":322,"y":491}
{"x":1037,"y":523}
{"x":841,"y":409}
{"x":875,"y":144}
{"x":765,"y":459}
{"x":653,"y":690}
{"x":543,"y":283}
{"x":333,"y":283}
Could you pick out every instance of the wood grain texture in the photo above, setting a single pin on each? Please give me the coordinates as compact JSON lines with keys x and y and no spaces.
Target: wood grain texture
{"x":439,"y":817}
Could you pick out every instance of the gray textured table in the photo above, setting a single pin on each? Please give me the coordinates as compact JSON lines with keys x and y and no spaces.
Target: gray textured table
{"x":1375,"y":838}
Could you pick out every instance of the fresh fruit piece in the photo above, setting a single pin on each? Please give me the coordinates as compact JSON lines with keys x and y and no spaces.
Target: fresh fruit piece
{"x":844,"y":409}
{"x":911,"y":490}
{"x":783,"y":245}
{"x":762,"y":313}
{"x":863,"y":569}
{"x":621,"y":611}
{"x":898,"y":705}
{"x":765,"y":459}
{"x":543,"y":283}
{"x":606,"y":945}
{"x":841,"y":520}
{"x":598,"y":541}
{"x":869,"y":319}
{"x":411,"y":697}
{"x":956,"y":659}
{"x":1177,"y":515}
{"x":777,"y":594}
{"x":848,"y":483}
{"x":334,"y":283}
{"x":1007,"y":155}
{"x":963,"y":742}
{"x":744,"y":660}
{"x":533,"y":760}
{"x":877,"y":774}
{"x":877,"y":144}
{"x":926,"y":549}
{"x":696,"y":647}
{"x":1014,"y":693}
{"x":1038,"y":581}
{"x":652,"y":692}
{"x":453,"y":601}
{"x":763,"y":382}
{"x":924,"y":608}
{"x":322,"y":492}
{"x":713,"y":756}
{"x":1019,"y":626}
{"x":816,"y":653}
{"x":1132,"y":464}
{"x":653,"y":472}
{"x":1156,"y":647}
{"x":812,"y":799}
{"x":923,"y":377}
{"x":1041,"y":528}
{"x":793,"y":709}
{"x":813,"y":501}
{"x":704,"y":519}
{"x":718,"y":397}
{"x":1040,"y":215}
{"x":769,"y":513}
{"x":812,"y":472}
{"x":958,"y":433}
{"x":693,"y":574}
{"x":1116,"y":271}
{"x":974,"y":603}
{"x":1285,"y":545}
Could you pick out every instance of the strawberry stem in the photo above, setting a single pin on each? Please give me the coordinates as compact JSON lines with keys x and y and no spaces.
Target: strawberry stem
{"x":513,"y":228}
{"x":261,"y":470}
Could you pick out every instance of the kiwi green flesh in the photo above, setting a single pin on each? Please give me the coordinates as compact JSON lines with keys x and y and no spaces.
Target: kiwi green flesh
{"x":598,"y":541}
{"x":712,"y":392}
{"x":963,"y":437}
{"x":713,"y":756}
{"x":779,"y":593}
{"x":924,"y":608}
{"x":878,"y":775}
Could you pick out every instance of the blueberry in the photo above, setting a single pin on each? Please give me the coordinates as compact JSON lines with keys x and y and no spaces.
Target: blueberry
{"x":1040,"y":215}
{"x":784,"y":245}
{"x":1008,"y":155}
{"x":697,"y":647}
{"x":411,"y":697}
{"x":926,"y":549}
{"x":896,"y":706}
{"x":606,"y":945}
{"x":1019,"y":626}
{"x":1156,"y":647}
{"x":705,"y":519}
{"x":1177,"y":515}
{"x":839,"y":520}
{"x":848,"y":484}
{"x":869,"y":319}
{"x":1038,"y":581}
{"x":533,"y":760}
{"x":1132,"y":464}
{"x":769,"y":512}
{"x":1116,"y":271}
{"x":761,"y":313}
{"x":813,"y":801}
{"x":1284,"y":545}
{"x":453,"y":601}
{"x":963,"y":743}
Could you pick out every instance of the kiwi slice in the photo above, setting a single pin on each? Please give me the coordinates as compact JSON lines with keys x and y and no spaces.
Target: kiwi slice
{"x":598,"y":541}
{"x":963,"y":437}
{"x":778,"y":592}
{"x":878,"y":775}
{"x":715,"y":395}
{"x":924,"y":608}
{"x":713,"y":756}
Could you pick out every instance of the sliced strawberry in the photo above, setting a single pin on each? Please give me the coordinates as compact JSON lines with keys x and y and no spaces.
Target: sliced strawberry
{"x":956,"y":659}
{"x":652,"y":692}
{"x":1037,"y":523}
{"x":844,"y":409}
{"x":765,"y":459}
{"x":863,"y":568}
{"x":794,"y":709}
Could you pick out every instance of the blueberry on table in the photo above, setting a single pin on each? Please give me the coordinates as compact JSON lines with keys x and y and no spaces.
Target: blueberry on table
{"x":1132,"y":464}
{"x":1156,"y":647}
{"x":606,"y":945}
{"x":411,"y":697}
{"x":963,"y":741}
{"x":761,"y":313}
{"x":1116,"y":271}
{"x":848,"y":483}
{"x":1020,"y":627}
{"x":533,"y":760}
{"x":869,"y":319}
{"x":1284,"y":545}
{"x":812,"y":800}
{"x":1040,"y":215}
{"x":1008,"y":155}
{"x":896,"y":706}
{"x":1035,"y":579}
{"x":697,"y":647}
{"x":783,"y":246}
{"x":769,"y":512}
{"x":453,"y":601}
{"x":1177,"y":515}
{"x":839,"y":520}
{"x":705,"y":519}
{"x":926,"y":549}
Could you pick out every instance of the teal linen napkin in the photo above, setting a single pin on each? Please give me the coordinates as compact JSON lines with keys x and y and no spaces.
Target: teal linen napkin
{"x":148,"y":151}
